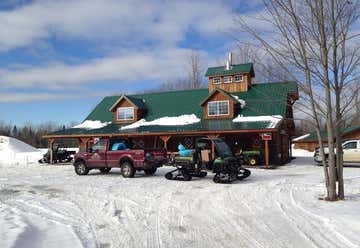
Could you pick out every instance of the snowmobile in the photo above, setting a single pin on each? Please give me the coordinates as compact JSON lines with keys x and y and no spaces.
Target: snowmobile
{"x":60,"y":154}
{"x":210,"y":154}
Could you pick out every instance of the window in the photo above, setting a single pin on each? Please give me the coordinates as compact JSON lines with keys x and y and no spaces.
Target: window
{"x":227,"y":79}
{"x":124,"y":114}
{"x":238,"y":78}
{"x":217,"y":80}
{"x":218,"y":108}
{"x":99,"y":146}
{"x":350,"y":145}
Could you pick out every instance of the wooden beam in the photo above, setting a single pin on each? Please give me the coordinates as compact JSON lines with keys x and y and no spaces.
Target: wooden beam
{"x":165,"y":139}
{"x":213,"y":136}
{"x":266,"y":152}
{"x":83,"y":144}
{"x":190,"y":133}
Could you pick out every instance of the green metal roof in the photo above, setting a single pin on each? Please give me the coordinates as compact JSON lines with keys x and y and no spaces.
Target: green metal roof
{"x":220,"y":70}
{"x":312,"y":137}
{"x":261,"y":99}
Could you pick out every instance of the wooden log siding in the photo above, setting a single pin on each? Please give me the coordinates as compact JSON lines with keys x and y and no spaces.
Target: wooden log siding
{"x":124,"y":103}
{"x":312,"y":144}
{"x":233,"y":86}
{"x":219,"y":97}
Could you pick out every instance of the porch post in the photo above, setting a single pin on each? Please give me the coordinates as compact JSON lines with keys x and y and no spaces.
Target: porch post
{"x":83,"y":143}
{"x":213,"y":136}
{"x":165,"y":139}
{"x":266,"y":152}
{"x":51,"y":148}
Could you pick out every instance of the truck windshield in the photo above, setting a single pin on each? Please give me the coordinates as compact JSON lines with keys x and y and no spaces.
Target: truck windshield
{"x":223,"y":149}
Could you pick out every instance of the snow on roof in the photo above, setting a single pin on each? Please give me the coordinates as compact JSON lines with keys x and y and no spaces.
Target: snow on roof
{"x":241,"y":101}
{"x":301,"y":137}
{"x":88,"y":124}
{"x":273,"y":119}
{"x":165,"y":121}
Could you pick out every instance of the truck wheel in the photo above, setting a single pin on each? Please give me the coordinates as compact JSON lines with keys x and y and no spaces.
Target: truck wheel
{"x":80,"y":168}
{"x":127,"y":170}
{"x":104,"y":170}
{"x":150,"y":171}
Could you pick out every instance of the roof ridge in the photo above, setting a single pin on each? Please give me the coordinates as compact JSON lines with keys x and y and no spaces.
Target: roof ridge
{"x":273,"y":82}
{"x":250,"y":63}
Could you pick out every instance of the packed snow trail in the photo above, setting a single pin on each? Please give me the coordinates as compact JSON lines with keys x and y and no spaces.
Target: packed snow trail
{"x":271,"y":208}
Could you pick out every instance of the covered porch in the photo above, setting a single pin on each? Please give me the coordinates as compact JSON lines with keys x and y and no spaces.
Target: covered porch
{"x":275,"y":149}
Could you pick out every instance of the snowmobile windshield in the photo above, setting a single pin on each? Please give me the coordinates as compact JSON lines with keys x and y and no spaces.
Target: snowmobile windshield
{"x":223,"y":149}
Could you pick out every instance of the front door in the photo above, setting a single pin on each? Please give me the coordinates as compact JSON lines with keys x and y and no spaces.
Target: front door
{"x":98,"y":155}
{"x":351,"y":153}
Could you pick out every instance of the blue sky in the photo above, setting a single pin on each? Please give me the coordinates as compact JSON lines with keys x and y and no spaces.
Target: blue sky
{"x":59,"y":58}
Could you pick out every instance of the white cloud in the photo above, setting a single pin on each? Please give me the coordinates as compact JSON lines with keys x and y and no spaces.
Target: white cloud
{"x":15,"y":97}
{"x":146,"y":35}
{"x":151,"y":65}
{"x":127,"y":20}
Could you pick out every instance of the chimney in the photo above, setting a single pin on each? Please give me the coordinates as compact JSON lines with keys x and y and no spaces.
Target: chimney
{"x":228,"y":62}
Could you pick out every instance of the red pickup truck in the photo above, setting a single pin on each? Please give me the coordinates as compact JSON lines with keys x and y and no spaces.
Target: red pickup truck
{"x":110,"y":153}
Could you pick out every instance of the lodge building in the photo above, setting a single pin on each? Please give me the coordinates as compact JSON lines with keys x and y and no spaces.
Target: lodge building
{"x":248,"y":115}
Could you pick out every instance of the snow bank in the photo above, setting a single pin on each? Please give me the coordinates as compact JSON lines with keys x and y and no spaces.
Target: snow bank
{"x":301,"y":137}
{"x":301,"y":153}
{"x":14,"y":151}
{"x":88,"y":124}
{"x":241,"y":101}
{"x":165,"y":121}
{"x":273,"y":119}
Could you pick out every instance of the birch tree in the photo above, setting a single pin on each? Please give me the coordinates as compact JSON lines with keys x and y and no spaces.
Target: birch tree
{"x":314,"y":41}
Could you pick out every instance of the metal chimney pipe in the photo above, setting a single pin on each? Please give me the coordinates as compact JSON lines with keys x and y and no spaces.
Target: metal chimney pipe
{"x":227,"y":67}
{"x":230,"y":58}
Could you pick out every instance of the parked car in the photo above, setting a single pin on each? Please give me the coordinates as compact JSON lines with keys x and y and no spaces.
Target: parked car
{"x":351,"y":152}
{"x":110,"y":153}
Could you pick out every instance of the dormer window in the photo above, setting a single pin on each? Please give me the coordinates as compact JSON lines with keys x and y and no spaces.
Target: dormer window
{"x":216,"y":108}
{"x":217,"y":80}
{"x":227,"y":79}
{"x":238,"y":78}
{"x":125,"y":113}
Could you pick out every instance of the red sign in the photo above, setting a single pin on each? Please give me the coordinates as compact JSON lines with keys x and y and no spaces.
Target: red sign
{"x":266,"y":136}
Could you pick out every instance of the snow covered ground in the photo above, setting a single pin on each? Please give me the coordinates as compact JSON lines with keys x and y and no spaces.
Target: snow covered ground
{"x":50,"y":206}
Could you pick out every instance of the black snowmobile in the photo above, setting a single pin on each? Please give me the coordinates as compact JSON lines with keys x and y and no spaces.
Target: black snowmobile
{"x":209,"y":155}
{"x":60,"y":155}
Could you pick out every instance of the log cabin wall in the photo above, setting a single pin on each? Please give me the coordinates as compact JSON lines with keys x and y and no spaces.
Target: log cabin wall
{"x":125,"y":103}
{"x":233,"y":86}
{"x":309,"y":146}
{"x":219,"y":97}
{"x":353,"y":135}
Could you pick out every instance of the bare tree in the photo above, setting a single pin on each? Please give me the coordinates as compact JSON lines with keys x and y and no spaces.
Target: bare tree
{"x":195,"y":70}
{"x":314,"y":44}
{"x":266,"y":69}
{"x":192,"y":79}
